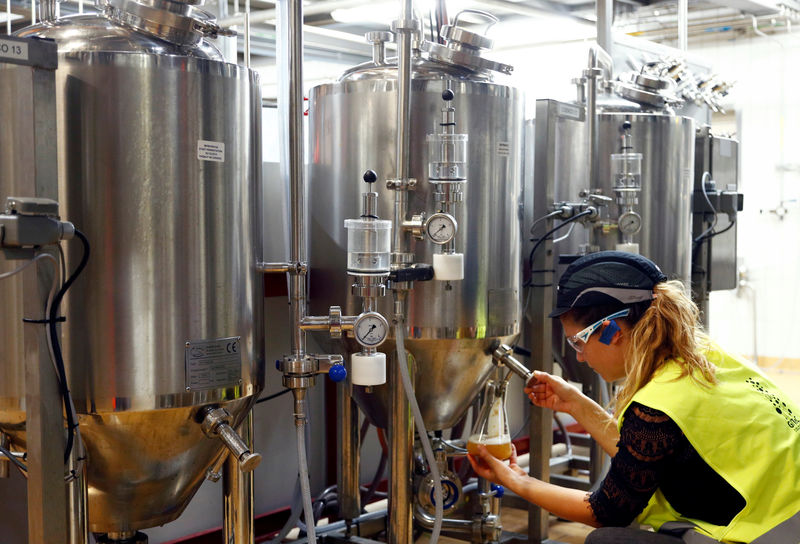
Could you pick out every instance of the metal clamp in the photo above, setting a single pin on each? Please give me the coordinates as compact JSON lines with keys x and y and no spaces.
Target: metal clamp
{"x":217,"y":424}
{"x":405,"y":25}
{"x":401,"y":185}
{"x":327,"y":361}
{"x":369,"y":287}
{"x":416,"y":226}
{"x":335,"y":320}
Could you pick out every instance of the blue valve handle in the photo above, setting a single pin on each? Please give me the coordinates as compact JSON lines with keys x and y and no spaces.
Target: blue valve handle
{"x":337,"y":373}
{"x":498,"y":490}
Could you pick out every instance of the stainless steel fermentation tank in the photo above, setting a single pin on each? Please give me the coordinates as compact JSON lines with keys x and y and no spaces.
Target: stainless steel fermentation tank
{"x":450,"y":325}
{"x":159,"y":164}
{"x":666,"y":143}
{"x":562,"y":176}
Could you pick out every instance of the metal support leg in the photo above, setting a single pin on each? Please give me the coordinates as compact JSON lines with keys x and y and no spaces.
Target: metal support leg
{"x":237,"y":489}
{"x":349,"y":455}
{"x":78,"y":499}
{"x":47,"y":494}
{"x":401,"y":444}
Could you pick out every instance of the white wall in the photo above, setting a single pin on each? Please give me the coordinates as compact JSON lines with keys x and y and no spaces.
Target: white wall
{"x":768,"y":111}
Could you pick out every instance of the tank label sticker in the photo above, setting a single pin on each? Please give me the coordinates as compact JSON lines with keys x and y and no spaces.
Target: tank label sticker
{"x":212,"y":364}
{"x":568,"y":111}
{"x":503,"y":149}
{"x":210,"y":151}
{"x":13,"y":50}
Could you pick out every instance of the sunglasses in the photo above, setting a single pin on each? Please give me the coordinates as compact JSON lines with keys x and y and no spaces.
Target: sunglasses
{"x":578,"y":341}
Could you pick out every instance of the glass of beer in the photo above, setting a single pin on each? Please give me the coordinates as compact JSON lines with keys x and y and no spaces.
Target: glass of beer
{"x":491,"y":427}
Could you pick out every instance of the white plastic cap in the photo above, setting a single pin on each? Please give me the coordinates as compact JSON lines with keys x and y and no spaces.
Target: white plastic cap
{"x":368,"y":369}
{"x":448,"y":266}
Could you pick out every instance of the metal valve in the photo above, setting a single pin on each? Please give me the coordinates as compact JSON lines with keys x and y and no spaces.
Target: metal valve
{"x":217,"y":424}
{"x":378,"y":39}
{"x":502,"y":355}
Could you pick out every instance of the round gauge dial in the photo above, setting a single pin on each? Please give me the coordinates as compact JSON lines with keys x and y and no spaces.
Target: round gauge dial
{"x":630,"y":223}
{"x":441,"y":227}
{"x":371,"y":329}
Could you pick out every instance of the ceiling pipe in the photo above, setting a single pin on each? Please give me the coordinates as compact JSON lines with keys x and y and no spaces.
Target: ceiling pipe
{"x":270,"y":15}
{"x":683,"y":25}
{"x":604,"y":10}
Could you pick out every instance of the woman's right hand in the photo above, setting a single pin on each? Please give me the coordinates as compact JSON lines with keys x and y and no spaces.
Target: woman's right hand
{"x":548,"y":391}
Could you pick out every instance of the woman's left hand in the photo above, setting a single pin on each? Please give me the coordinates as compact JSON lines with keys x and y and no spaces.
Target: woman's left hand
{"x":490,"y":468}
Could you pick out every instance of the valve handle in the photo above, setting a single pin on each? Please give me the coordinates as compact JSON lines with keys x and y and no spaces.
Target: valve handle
{"x":337,"y":373}
{"x":498,"y":490}
{"x":370,"y":176}
{"x":448,"y":95}
{"x":492,"y":19}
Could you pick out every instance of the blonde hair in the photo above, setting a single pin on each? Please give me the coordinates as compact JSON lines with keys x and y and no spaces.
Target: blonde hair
{"x":667,"y":330}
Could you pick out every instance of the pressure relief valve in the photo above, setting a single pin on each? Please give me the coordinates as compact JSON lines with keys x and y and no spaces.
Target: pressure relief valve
{"x":369,"y":242}
{"x":447,"y":172}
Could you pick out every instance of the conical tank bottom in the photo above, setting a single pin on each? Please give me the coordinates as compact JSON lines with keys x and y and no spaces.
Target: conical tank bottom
{"x":448,"y":374}
{"x":145,"y":466}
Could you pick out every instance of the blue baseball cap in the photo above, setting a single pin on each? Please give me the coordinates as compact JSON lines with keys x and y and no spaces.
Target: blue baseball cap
{"x":606,"y":277}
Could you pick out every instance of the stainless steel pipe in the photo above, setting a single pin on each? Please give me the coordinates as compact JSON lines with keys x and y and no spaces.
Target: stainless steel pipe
{"x":401,"y":444}
{"x":401,"y":429}
{"x":294,"y":126}
{"x":604,"y":11}
{"x":47,"y":10}
{"x":683,"y":25}
{"x":404,"y":35}
{"x":78,"y":490}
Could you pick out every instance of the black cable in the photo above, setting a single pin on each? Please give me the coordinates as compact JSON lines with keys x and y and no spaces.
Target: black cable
{"x":710,"y":205}
{"x":549,"y":233}
{"x":72,"y":425}
{"x":13,"y":459}
{"x":63,"y":261}
{"x":273,"y":396}
{"x":522,"y":351}
{"x":710,"y":235}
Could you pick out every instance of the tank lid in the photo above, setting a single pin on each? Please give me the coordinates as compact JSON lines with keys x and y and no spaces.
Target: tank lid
{"x":94,"y":33}
{"x":424,"y":69}
{"x":177,"y":22}
{"x":464,"y":48}
{"x":653,"y":85}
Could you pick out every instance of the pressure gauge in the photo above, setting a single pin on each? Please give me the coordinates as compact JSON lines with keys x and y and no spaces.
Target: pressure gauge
{"x":441,"y":227}
{"x":630,"y":223}
{"x":371,"y":329}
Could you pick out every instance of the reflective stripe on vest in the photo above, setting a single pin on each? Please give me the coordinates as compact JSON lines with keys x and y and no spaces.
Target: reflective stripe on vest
{"x":746,"y":430}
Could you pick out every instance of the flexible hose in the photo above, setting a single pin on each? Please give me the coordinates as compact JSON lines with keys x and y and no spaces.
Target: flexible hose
{"x":305,"y":486}
{"x":294,"y":513}
{"x":423,"y":434}
{"x":296,"y":508}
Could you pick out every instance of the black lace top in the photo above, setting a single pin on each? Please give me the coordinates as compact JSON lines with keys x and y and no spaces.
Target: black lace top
{"x":654,"y":453}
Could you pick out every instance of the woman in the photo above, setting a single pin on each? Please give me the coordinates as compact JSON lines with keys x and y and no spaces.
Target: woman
{"x":704,"y":447}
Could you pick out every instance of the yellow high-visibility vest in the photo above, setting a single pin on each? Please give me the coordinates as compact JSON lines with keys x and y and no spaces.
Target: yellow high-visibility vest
{"x":748,"y":431}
